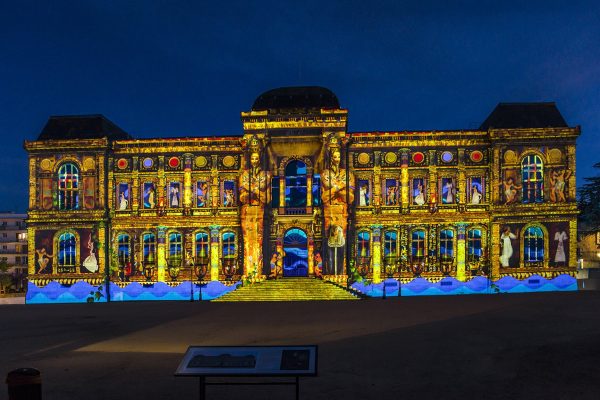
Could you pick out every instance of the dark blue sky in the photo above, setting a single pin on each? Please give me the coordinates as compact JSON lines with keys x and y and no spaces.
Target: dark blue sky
{"x":188,"y":68}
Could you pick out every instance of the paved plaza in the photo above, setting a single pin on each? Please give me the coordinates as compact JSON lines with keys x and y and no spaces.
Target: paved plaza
{"x":533,"y":346}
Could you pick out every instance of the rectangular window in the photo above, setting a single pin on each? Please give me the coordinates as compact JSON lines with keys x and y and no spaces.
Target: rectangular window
{"x":202,"y":194}
{"x":363,"y":197}
{"x":391,"y":192}
{"x":229,"y":193}
{"x":475,"y":190}
{"x":175,"y":195}
{"x":123,"y":191}
{"x":149,"y":195}
{"x":448,"y":190}
{"x":419,"y":191}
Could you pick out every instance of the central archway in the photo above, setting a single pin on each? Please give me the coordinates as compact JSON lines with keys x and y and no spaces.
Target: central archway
{"x":295,"y":246}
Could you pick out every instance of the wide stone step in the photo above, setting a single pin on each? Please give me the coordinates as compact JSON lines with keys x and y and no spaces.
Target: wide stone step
{"x":288,"y":289}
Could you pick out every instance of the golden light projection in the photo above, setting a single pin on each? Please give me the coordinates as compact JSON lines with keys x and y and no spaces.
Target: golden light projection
{"x":297,"y":195}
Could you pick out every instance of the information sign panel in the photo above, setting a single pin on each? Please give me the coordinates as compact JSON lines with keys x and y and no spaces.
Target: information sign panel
{"x":249,"y":361}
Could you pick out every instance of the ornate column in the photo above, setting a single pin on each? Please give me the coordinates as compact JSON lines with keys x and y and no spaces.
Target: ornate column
{"x":135,"y":187}
{"x":462,"y":182}
{"x":573,"y":242}
{"x":311,"y":252}
{"x":377,"y":182}
{"x":160,"y":192}
{"x":309,"y":201}
{"x":281,"y":192}
{"x":571,"y":185}
{"x":102,"y":184}
{"x":102,"y":256}
{"x":461,"y":229}
{"x":404,"y":179}
{"x":32,"y":184}
{"x":161,"y":253}
{"x":376,"y":240}
{"x":214,"y":252}
{"x":496,"y":176}
{"x":494,"y":251}
{"x":187,"y":182}
{"x":31,"y":247}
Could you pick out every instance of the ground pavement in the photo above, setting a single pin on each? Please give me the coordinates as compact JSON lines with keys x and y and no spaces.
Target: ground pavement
{"x":530,"y":346}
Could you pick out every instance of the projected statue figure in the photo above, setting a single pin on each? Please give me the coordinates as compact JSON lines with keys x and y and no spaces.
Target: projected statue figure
{"x":337,"y":191}
{"x":254,"y":192}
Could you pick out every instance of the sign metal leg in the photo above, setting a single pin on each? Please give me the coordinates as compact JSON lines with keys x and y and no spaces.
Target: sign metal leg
{"x":202,"y":388}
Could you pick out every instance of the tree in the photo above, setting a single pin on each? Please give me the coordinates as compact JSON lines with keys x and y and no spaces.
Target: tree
{"x":5,"y":279}
{"x":589,"y":203}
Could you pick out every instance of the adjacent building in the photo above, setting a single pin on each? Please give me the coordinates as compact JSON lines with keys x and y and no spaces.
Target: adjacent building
{"x":13,"y":250}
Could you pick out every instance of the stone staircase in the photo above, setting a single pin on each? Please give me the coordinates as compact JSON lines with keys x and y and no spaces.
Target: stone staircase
{"x":289,"y":289}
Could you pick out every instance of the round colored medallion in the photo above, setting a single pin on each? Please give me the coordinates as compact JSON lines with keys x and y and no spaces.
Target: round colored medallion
{"x":363,"y":158}
{"x":555,"y":155}
{"x":390,"y":157}
{"x":510,"y":157}
{"x":46,"y":164}
{"x":148,"y":162}
{"x":122,"y":163}
{"x":228,"y":161}
{"x":447,"y":156}
{"x":476,"y":156}
{"x":89,"y":163}
{"x":173,"y":162}
{"x":418,"y":157}
{"x":201,"y":161}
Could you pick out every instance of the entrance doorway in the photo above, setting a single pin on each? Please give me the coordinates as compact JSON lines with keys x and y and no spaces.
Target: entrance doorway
{"x":295,"y":246}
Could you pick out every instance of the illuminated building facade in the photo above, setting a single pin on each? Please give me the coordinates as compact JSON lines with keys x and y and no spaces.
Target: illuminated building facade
{"x":296,"y":194}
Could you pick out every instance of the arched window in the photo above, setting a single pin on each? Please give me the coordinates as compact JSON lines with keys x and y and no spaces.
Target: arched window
{"x":175,"y":244}
{"x":202,"y":245}
{"x":532,"y":177}
{"x":295,"y":184}
{"x":474,"y":250}
{"x":364,"y":244}
{"x":446,"y":243}
{"x":390,"y":244}
{"x":124,"y":248}
{"x":418,"y":244}
{"x":149,"y":240}
{"x":533,"y":245}
{"x":67,"y":252}
{"x":68,"y":187}
{"x":228,"y":245}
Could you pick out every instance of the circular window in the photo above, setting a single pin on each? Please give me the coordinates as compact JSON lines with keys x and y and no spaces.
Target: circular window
{"x":147,"y":163}
{"x":173,"y":162}
{"x":418,"y":157}
{"x":476,"y":156}
{"x":447,"y":156}
{"x":122,"y":163}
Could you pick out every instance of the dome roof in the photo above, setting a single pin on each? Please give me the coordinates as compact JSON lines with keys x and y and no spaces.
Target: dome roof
{"x":296,"y":97}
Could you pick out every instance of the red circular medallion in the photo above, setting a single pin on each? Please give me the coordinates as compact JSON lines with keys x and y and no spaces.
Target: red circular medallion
{"x":122,"y":163}
{"x":173,"y":162}
{"x":476,"y":156}
{"x":418,"y":157}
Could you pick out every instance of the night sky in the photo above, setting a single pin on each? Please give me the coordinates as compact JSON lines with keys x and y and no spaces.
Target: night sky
{"x":158,"y":69}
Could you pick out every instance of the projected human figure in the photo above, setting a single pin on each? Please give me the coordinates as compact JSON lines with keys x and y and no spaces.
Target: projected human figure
{"x":254,"y":190}
{"x":506,"y":244}
{"x":337,"y":191}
